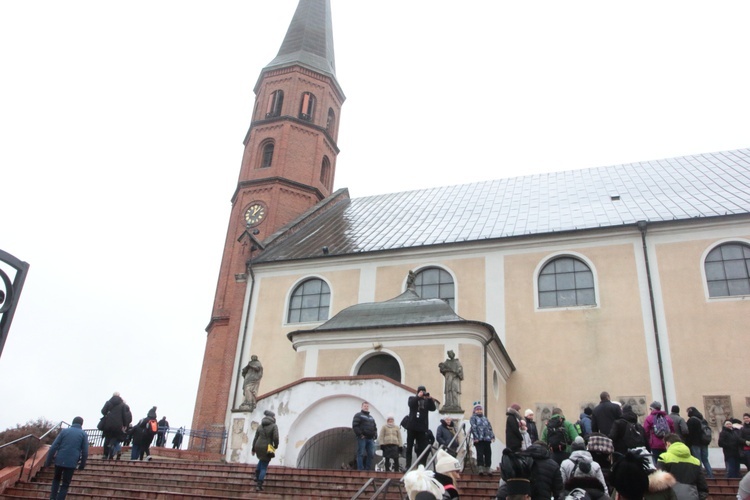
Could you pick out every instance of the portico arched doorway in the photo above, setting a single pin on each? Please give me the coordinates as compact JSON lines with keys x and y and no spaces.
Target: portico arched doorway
{"x":330,"y":449}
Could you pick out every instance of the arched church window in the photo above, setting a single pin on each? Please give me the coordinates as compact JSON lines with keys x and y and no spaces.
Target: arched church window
{"x":381,"y":364}
{"x":566,"y":282}
{"x":325,"y":172}
{"x":275,"y":100}
{"x":330,"y":121}
{"x":267,"y":156}
{"x":436,"y":283}
{"x":307,"y":107}
{"x":310,"y":301}
{"x":728,"y":270}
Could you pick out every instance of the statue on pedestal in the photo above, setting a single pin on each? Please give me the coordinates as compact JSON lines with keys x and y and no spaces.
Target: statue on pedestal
{"x":253,"y":372}
{"x":453,"y":372}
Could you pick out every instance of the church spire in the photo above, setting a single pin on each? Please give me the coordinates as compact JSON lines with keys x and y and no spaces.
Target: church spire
{"x":309,"y":39}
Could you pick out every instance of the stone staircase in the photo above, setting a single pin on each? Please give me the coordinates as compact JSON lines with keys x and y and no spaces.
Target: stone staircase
{"x":174,"y":479}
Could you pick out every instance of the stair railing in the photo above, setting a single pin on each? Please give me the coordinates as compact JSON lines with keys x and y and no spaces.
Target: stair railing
{"x":29,"y":439}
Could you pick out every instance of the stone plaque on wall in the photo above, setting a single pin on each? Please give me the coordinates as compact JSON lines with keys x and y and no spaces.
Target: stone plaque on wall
{"x":747,"y":402}
{"x":639,"y":404}
{"x":717,"y":409}
{"x":543,"y":413}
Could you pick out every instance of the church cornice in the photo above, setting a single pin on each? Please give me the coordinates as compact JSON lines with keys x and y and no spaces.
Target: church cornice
{"x":257,"y":124}
{"x":276,"y":180}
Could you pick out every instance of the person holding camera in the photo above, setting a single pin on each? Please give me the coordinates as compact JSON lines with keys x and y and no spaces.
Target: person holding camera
{"x":418,"y":426}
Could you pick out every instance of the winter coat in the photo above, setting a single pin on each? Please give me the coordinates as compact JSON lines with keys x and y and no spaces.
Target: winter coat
{"x":680,"y":426}
{"x":593,"y":488}
{"x":603,"y":416}
{"x":570,"y":430}
{"x":364,"y":425}
{"x":533,"y":431}
{"x":267,"y":433}
{"x":660,"y":485}
{"x":163,"y":425}
{"x":116,"y":418}
{"x":686,"y":469}
{"x":70,"y":447}
{"x":419,"y":408}
{"x":654,"y":442}
{"x":729,"y":441}
{"x":481,"y":428}
{"x":694,"y":436}
{"x":619,"y":433}
{"x":586,"y":427}
{"x":513,"y":438}
{"x":572,"y":467}
{"x":445,"y":433}
{"x":390,"y":434}
{"x":546,"y":480}
{"x":142,"y":434}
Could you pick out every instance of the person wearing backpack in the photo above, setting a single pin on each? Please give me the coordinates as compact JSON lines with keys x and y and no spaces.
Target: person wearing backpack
{"x":559,"y":434}
{"x":626,"y":432}
{"x":698,"y":438}
{"x":657,"y":425}
{"x":580,"y":471}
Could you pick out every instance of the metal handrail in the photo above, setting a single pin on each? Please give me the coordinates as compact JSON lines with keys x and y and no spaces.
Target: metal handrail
{"x":28,"y":446}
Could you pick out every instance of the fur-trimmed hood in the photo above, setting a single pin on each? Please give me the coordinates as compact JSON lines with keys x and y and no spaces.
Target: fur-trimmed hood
{"x":660,"y":480}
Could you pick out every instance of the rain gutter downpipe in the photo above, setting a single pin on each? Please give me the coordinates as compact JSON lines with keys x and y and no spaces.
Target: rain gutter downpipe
{"x":642,"y":226}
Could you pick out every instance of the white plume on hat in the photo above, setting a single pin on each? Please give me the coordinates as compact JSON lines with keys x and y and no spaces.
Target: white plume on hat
{"x":420,"y":480}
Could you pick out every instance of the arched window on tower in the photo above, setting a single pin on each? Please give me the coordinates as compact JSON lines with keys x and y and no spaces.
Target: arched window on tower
{"x":436,"y":283}
{"x":330,"y":121}
{"x":728,"y":270}
{"x":325,"y":172}
{"x":566,"y":282}
{"x":309,"y":302}
{"x":275,"y":100}
{"x":266,"y":159}
{"x":307,"y":107}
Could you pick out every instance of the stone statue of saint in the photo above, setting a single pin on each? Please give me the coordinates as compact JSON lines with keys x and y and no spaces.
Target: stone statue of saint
{"x":253,"y":372}
{"x":454,"y":373}
{"x":410,"y":281}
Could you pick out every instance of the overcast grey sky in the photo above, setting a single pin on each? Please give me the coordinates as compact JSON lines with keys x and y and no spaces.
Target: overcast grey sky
{"x":121,"y":127}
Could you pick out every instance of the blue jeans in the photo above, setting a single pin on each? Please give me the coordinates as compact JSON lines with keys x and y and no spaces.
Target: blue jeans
{"x":366,"y":449}
{"x":701,"y":453}
{"x":733,"y":467}
{"x":260,"y":470}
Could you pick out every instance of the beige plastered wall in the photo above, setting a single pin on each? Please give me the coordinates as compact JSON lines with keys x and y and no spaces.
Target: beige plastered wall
{"x":708,"y":338}
{"x":568,"y":356}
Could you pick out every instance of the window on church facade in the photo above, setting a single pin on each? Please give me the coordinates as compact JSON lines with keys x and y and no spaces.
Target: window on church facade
{"x":275,"y":100}
{"x":330,"y":122}
{"x":381,"y":364}
{"x":436,"y":283}
{"x":566,"y":282}
{"x":728,"y":270}
{"x":325,"y":172}
{"x":307,"y":108}
{"x":267,"y":157}
{"x":310,"y":301}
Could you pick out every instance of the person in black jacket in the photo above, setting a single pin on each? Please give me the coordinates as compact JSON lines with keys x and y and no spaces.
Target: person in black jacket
{"x":626,"y":432}
{"x":115,"y":420}
{"x":546,"y":480}
{"x":513,"y":437}
{"x":445,"y":433}
{"x":528,"y":415}
{"x":366,"y":430}
{"x":604,"y":415}
{"x":417,"y":426}
{"x":730,"y":443}
{"x":694,"y":439}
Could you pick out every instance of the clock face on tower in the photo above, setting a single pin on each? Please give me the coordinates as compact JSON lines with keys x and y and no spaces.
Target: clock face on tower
{"x":255,"y":213}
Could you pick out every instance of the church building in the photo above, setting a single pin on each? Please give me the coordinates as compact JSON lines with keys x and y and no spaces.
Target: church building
{"x":548,"y":289}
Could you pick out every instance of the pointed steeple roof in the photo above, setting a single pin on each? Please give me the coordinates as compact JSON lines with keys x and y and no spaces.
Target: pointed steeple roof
{"x":309,"y":39}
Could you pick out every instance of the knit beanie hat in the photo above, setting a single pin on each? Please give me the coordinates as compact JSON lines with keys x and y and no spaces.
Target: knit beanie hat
{"x":655,"y":405}
{"x":528,"y":412}
{"x":478,"y":406}
{"x":420,"y":480}
{"x":446,"y":463}
{"x":269,"y":413}
{"x":675,"y":409}
{"x":516,"y":406}
{"x":578,"y":444}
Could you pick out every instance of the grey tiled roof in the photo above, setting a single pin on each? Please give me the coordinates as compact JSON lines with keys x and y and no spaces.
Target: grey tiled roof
{"x":706,"y":185}
{"x":309,"y":39}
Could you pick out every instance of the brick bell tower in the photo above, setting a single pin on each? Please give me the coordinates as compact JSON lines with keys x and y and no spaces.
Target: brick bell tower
{"x":288,"y":166}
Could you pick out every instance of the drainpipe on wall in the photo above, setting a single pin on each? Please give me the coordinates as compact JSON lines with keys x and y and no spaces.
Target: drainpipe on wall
{"x":486,"y":401}
{"x":642,"y":225}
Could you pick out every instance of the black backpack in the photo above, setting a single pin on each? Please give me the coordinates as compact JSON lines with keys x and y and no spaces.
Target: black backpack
{"x":634,"y":436}
{"x":706,"y":433}
{"x":557,"y":434}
